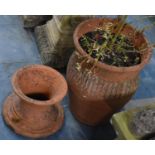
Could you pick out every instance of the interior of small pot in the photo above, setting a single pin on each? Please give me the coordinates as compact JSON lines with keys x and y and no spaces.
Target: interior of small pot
{"x":39,"y":83}
{"x":90,"y":25}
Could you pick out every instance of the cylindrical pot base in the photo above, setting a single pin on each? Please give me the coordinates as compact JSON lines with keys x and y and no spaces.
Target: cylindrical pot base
{"x":11,"y":113}
{"x":81,"y":119}
{"x":86,"y":113}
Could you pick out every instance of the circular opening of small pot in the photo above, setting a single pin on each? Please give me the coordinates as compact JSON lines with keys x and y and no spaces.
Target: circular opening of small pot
{"x":39,"y":83}
{"x":38,"y":96}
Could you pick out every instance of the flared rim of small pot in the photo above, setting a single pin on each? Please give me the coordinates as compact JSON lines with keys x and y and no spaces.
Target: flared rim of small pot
{"x":54,"y":100}
{"x":104,"y":65}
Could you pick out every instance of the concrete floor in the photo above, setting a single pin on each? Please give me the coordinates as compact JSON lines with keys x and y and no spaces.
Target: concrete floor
{"x":18,"y":48}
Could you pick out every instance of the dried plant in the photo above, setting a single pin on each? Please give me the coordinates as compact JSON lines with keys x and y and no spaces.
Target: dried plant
{"x":111,"y":44}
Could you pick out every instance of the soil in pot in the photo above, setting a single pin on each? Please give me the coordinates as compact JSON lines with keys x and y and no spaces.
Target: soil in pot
{"x":143,"y":124}
{"x":121,"y":52}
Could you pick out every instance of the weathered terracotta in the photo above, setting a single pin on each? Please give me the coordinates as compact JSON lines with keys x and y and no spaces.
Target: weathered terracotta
{"x":42,"y":114}
{"x":95,"y":97}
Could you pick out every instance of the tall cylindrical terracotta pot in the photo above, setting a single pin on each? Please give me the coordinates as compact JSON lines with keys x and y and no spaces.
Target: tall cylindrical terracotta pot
{"x":33,"y":109}
{"x":95,"y":97}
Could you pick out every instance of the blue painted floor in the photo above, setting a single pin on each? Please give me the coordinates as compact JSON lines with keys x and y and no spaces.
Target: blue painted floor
{"x":18,"y":48}
{"x":147,"y":77}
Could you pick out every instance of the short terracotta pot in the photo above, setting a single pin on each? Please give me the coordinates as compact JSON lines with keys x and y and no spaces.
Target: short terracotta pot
{"x":95,"y":97}
{"x":33,"y":109}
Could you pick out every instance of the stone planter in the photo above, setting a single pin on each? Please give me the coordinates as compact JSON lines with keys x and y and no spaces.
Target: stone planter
{"x":33,"y":109}
{"x":31,"y":21}
{"x":135,"y":124}
{"x":95,"y":97}
{"x":55,"y":39}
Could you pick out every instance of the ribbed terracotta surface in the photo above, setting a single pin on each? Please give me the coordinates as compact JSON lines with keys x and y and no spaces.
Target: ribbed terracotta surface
{"x":95,"y":97}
